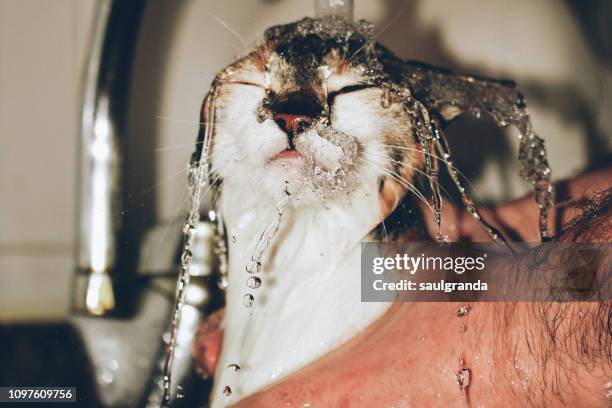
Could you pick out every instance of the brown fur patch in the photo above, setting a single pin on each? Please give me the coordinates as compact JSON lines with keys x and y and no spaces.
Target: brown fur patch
{"x":260,"y":55}
{"x":390,"y":196}
{"x":337,"y":61}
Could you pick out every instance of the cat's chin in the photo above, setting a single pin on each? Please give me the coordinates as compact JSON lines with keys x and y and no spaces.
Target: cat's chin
{"x":310,"y":177}
{"x":282,"y":180}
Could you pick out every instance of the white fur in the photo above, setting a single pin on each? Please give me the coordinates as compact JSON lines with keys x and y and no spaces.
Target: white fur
{"x":309,"y":302}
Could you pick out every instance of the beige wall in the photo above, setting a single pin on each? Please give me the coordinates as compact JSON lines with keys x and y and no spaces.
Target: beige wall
{"x":42,"y":45}
{"x":182,"y":45}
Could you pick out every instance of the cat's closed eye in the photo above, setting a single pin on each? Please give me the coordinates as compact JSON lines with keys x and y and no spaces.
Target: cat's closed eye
{"x":348,"y":89}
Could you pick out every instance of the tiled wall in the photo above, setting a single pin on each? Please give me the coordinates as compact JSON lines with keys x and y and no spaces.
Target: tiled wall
{"x":181,"y":45}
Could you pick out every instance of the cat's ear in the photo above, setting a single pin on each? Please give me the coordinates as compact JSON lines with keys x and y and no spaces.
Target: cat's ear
{"x":449,"y":95}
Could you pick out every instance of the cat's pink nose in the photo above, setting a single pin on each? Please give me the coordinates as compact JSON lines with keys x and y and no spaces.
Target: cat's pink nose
{"x":291,"y":123}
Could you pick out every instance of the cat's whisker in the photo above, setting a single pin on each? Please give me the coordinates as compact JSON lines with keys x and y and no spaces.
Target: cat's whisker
{"x":400,"y":180}
{"x":169,"y":178}
{"x":380,"y":214}
{"x":463,"y":176}
{"x":393,"y":20}
{"x":186,"y":121}
{"x":448,"y":195}
{"x":232,"y":31}
{"x":180,"y":208}
{"x":408,"y":166}
{"x":389,"y":172}
{"x":385,"y":28}
{"x":174,"y":147}
{"x":164,"y":181}
{"x":429,"y":154}
{"x":382,"y":221}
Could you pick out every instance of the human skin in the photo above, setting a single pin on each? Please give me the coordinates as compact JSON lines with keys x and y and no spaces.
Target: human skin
{"x":410,"y":357}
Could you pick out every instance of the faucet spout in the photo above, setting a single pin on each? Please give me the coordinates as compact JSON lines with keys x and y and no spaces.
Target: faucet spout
{"x":100,"y":258}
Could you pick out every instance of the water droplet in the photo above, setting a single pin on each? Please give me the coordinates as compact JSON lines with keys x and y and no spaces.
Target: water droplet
{"x":189,"y":231}
{"x":462,"y":328}
{"x":233,"y":367}
{"x":113,"y":365}
{"x":248,"y":300}
{"x":442,"y":239}
{"x":186,"y":257}
{"x":326,"y":71}
{"x":227,"y":391}
{"x":253,"y":282}
{"x":608,"y":390}
{"x":463,"y":379}
{"x":253,"y":267}
{"x":197,"y":178}
{"x":262,"y":115}
{"x":106,"y":377}
{"x":462,"y":310}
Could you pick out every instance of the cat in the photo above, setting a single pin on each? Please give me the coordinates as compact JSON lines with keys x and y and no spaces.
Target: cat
{"x":321,"y":127}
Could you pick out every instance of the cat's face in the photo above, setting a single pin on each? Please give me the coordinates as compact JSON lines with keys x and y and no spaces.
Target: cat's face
{"x":303,"y":115}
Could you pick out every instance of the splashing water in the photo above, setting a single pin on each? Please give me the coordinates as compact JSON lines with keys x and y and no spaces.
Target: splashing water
{"x":440,"y":90}
{"x":254,"y":282}
{"x":429,"y":94}
{"x":248,"y":300}
{"x":432,"y":139}
{"x":462,"y":310}
{"x":255,"y":265}
{"x":220,"y":250}
{"x":463,"y":380}
{"x":426,"y":93}
{"x":462,"y":377}
{"x":198,"y":179}
{"x":607,"y":388}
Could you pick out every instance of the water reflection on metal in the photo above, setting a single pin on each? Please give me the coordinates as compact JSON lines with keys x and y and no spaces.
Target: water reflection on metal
{"x":100,"y":296}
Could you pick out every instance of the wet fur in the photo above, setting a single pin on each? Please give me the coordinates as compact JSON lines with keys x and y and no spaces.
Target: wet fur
{"x":309,"y":302}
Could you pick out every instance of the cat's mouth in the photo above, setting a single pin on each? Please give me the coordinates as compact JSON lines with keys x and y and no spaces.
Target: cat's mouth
{"x":287,"y":154}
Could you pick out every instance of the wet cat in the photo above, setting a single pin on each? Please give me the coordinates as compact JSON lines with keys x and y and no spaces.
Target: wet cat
{"x":332,"y":125}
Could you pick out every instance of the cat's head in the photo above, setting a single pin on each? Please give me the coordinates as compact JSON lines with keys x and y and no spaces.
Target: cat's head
{"x":307,"y":111}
